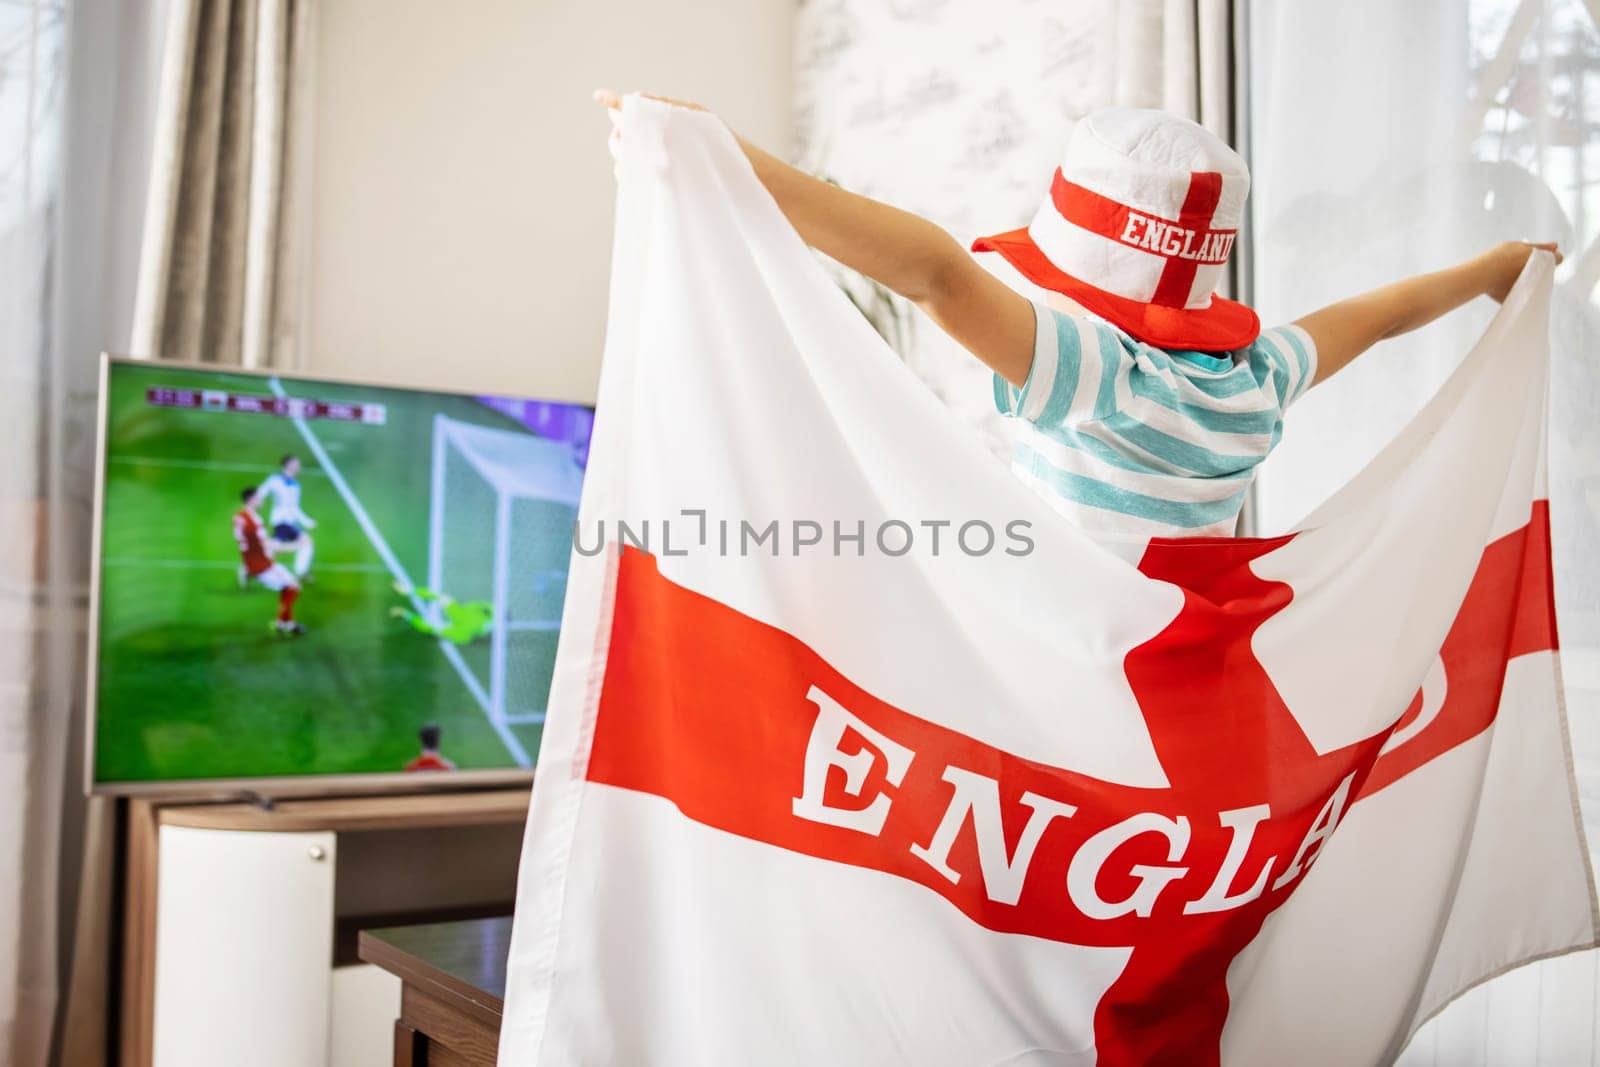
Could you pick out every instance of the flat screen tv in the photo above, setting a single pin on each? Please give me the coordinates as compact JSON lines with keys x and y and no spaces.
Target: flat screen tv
{"x":306,"y":584}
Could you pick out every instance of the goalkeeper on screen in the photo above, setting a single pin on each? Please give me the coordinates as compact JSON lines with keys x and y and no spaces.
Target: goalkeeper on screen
{"x":441,"y":615}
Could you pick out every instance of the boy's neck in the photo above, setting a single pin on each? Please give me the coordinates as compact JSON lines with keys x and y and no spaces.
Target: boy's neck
{"x":1064,"y":304}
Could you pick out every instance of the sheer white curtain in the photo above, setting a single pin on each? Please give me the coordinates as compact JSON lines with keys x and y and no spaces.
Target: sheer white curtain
{"x":1392,"y":138}
{"x":76,"y":78}
{"x":32,"y":54}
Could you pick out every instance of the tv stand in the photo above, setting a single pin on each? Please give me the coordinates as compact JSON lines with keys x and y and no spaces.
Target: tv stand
{"x":239,"y":917}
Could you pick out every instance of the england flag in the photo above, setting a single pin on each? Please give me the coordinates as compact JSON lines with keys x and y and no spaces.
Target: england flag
{"x":858,"y":753}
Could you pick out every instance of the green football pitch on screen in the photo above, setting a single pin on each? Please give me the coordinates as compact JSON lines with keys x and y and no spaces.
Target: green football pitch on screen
{"x":312,"y":578}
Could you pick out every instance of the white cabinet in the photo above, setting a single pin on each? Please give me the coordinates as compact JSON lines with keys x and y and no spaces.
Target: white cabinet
{"x":243,"y":967}
{"x":366,"y":1001}
{"x":239,"y":923}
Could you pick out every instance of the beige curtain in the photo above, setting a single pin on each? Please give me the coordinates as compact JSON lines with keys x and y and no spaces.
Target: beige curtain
{"x":1197,"y":63}
{"x":220,"y":276}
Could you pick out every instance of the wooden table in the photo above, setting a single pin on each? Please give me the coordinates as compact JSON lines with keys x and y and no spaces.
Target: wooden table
{"x":453,"y":984}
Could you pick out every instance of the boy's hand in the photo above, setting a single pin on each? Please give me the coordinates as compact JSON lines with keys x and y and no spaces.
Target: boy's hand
{"x":611,"y":100}
{"x":895,"y":248}
{"x":1504,"y":262}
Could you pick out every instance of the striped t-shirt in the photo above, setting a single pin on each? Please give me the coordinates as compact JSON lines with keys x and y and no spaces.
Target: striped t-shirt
{"x":1129,"y":440}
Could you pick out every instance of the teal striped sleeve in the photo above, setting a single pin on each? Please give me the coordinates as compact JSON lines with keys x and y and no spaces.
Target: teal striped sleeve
{"x":1290,"y":356}
{"x":1053,"y":375}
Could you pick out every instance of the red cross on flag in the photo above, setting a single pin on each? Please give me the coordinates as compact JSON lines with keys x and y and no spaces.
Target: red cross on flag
{"x":858,"y":753}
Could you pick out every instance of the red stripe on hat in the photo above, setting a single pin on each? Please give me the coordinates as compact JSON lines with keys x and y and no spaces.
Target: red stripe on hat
{"x":1205,"y":189}
{"x":1185,"y":242}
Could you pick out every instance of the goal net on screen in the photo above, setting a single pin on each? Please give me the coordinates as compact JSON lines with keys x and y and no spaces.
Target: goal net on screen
{"x":501,"y":516}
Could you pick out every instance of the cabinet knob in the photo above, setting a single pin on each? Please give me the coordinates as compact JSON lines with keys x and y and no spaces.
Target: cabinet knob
{"x":317,"y":852}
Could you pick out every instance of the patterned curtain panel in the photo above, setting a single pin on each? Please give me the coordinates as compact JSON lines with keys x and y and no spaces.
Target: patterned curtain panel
{"x":1390,"y":139}
{"x":960,"y":112}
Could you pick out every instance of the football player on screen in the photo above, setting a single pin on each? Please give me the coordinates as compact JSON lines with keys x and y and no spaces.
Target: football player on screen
{"x":429,"y":759}
{"x":289,"y":523}
{"x":255,"y":552}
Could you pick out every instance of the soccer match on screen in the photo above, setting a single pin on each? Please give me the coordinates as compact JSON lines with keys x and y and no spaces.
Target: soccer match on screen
{"x":314,"y":578}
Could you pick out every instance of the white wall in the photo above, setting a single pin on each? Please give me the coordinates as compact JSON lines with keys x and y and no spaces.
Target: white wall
{"x":461,"y":192}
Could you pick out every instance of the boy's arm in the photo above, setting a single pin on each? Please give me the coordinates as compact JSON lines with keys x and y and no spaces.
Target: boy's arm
{"x":1343,"y":331}
{"x":911,"y":256}
{"x":905,"y":253}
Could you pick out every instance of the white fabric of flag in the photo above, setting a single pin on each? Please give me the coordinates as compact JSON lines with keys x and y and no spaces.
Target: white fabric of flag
{"x":859,"y":753}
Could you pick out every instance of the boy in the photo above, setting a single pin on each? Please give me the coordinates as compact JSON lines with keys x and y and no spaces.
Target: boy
{"x":255,"y":554}
{"x":1149,"y":400}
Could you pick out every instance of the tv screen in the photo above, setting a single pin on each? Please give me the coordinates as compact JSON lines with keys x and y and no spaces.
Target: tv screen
{"x":315,"y":578}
